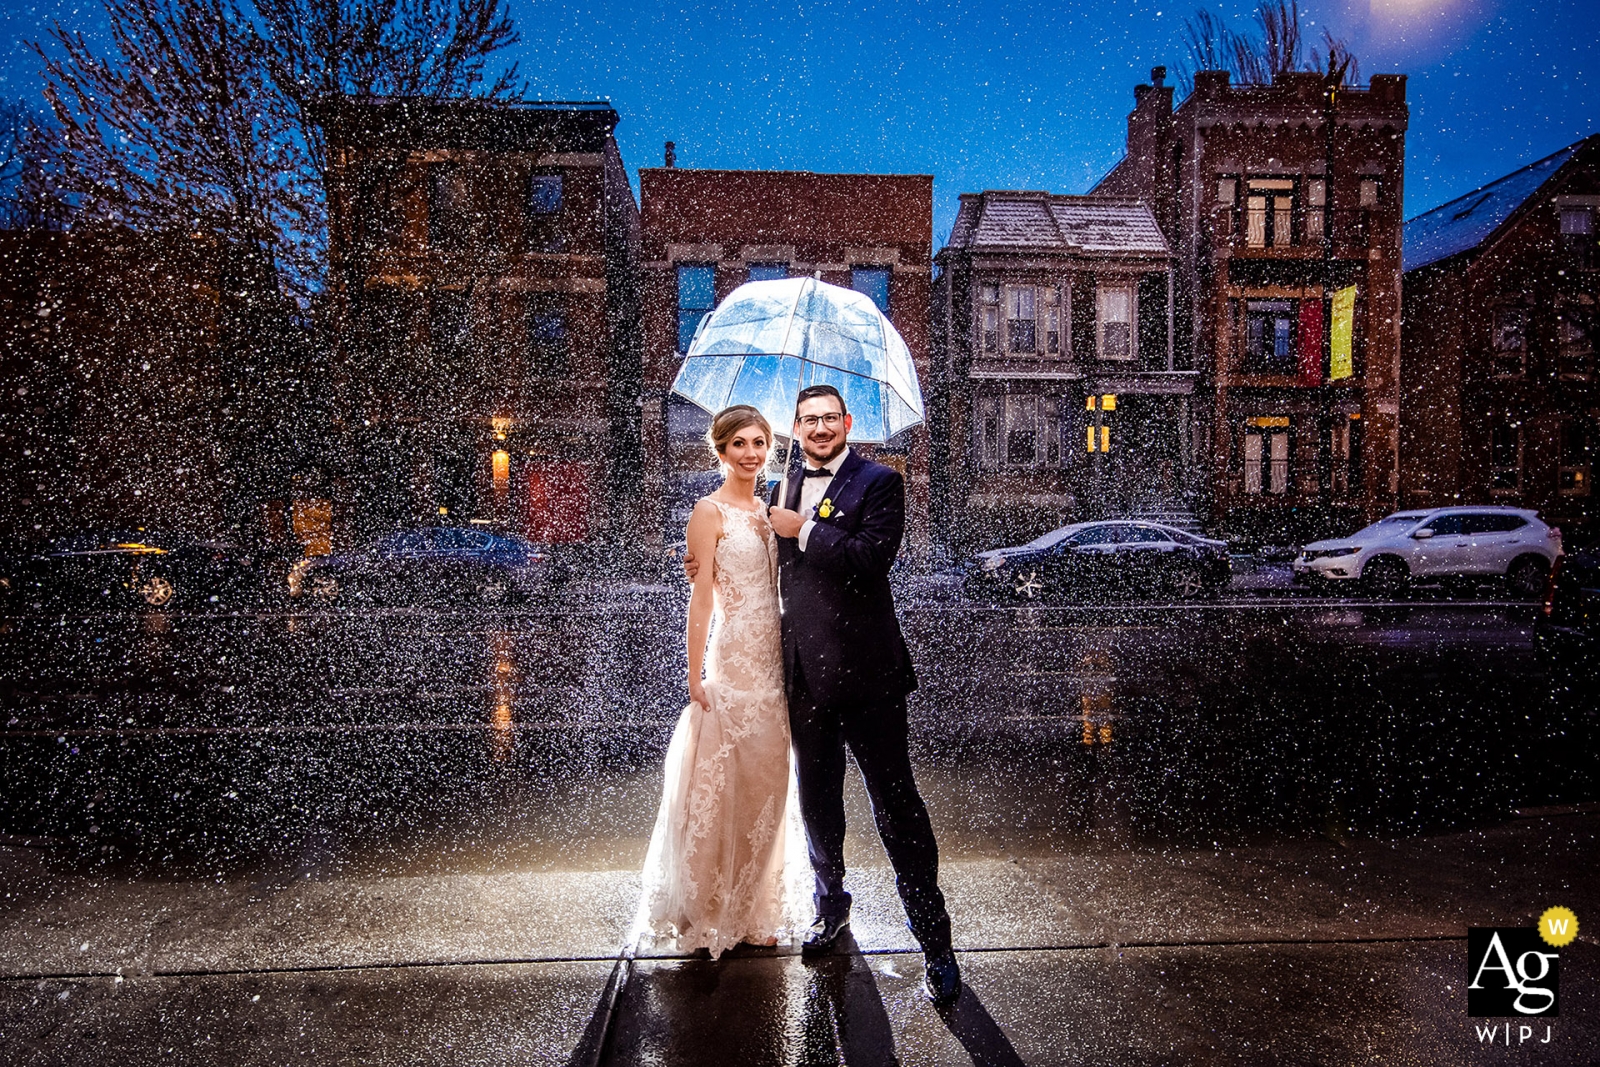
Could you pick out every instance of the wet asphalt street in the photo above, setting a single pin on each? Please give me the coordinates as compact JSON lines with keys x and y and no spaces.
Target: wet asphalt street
{"x":492,"y":765}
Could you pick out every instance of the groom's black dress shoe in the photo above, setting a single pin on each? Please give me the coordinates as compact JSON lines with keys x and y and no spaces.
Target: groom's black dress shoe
{"x":941,"y":978}
{"x":822,"y":935}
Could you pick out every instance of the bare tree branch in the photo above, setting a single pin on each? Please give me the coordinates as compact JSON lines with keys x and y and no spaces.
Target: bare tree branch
{"x":1275,"y":46}
{"x":198,"y":115}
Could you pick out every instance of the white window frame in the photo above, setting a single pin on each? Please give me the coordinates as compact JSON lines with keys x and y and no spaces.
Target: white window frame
{"x":1103,"y":290}
{"x":1020,"y":299}
{"x":987,"y":318}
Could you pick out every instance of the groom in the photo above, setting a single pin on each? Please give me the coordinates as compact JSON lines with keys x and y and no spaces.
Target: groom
{"x":847,"y":673}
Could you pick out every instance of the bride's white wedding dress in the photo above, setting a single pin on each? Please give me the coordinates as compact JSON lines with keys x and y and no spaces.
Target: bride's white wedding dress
{"x":714,"y":874}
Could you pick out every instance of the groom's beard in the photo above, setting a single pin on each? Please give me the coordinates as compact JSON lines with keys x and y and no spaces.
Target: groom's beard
{"x":823,"y":459}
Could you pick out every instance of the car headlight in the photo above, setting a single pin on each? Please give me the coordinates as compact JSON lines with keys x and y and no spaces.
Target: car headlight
{"x":992,"y":565}
{"x":1307,"y":555}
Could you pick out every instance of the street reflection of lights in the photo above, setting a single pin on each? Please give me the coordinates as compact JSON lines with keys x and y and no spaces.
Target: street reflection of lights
{"x":502,"y":692}
{"x":501,"y":739}
{"x":1096,"y":718}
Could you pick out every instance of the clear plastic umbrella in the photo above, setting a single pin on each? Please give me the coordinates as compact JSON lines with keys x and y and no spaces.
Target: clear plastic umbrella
{"x":768,"y":340}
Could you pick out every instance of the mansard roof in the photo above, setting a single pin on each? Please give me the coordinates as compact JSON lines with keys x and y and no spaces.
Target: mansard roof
{"x":1000,"y":221}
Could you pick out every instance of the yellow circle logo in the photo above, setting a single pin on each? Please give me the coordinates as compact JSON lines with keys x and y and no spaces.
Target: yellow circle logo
{"x":1558,"y":926}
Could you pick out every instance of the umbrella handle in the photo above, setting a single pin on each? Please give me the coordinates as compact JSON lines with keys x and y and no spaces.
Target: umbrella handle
{"x":800,"y":383}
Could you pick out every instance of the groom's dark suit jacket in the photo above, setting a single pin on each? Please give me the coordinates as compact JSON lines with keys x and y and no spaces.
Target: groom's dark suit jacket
{"x":839,"y":628}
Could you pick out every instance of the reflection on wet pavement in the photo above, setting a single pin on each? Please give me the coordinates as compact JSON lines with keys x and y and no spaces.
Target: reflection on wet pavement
{"x":403,"y":741}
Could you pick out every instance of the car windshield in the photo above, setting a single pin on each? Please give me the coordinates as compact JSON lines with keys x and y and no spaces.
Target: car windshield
{"x":1054,"y":537}
{"x":1392,"y":523}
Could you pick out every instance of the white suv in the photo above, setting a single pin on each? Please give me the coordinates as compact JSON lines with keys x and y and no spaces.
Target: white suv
{"x":1437,"y":544}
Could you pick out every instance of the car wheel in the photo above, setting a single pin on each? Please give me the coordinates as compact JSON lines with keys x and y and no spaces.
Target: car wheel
{"x":323,"y":585}
{"x":157,"y":592}
{"x":1186,"y":582}
{"x":494,"y":591}
{"x":1387,"y":575}
{"x":1028,"y":583}
{"x":1526,"y":576}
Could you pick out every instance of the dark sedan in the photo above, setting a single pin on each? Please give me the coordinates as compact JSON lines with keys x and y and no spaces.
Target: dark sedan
{"x":430,"y":564}
{"x":1566,"y":630}
{"x":134,"y":568}
{"x":1101,"y":560}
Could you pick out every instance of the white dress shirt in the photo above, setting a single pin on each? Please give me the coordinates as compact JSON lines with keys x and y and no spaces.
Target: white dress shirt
{"x":814,"y":490}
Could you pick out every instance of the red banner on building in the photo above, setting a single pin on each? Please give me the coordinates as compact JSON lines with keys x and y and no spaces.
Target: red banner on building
{"x":1311,"y":342}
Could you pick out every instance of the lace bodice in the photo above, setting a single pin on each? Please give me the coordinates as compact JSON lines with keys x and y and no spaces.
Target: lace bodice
{"x":746,"y":643}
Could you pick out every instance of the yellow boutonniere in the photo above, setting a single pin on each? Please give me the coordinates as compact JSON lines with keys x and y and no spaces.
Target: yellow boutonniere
{"x":825,"y":509}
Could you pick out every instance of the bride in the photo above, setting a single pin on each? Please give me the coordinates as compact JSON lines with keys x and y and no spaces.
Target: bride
{"x":714,"y":872}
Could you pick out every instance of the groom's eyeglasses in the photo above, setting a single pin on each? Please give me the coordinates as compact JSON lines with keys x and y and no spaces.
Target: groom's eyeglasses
{"x":831,"y":419}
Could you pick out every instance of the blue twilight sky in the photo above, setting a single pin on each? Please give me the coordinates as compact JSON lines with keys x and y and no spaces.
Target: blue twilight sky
{"x":998,"y":95}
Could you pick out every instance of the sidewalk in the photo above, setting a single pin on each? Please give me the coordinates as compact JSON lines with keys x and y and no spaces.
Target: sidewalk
{"x":1310,"y":952}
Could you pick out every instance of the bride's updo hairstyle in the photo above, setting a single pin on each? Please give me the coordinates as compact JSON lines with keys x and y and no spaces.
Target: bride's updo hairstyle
{"x":730,"y":420}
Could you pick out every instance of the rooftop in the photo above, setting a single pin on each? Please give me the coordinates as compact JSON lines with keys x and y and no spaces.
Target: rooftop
{"x":1036,"y":221}
{"x":1464,"y":223}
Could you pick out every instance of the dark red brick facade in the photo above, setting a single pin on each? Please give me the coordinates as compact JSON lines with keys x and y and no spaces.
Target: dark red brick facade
{"x":1270,"y":218}
{"x":839,"y":226}
{"x":1502,"y":399}
{"x":482,"y":259}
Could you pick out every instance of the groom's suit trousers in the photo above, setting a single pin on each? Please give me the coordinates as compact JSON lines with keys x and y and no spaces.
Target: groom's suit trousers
{"x":876,"y":732}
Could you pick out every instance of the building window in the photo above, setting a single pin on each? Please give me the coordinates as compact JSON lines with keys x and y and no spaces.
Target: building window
{"x":1316,"y":209}
{"x":1022,"y":431}
{"x":1270,"y":336}
{"x":1505,"y":458}
{"x":1266,"y":455}
{"x":1269,"y":213}
{"x":1018,"y":432}
{"x":447,"y":321}
{"x":1114,"y":313}
{"x":1573,"y":476}
{"x":1577,"y":234}
{"x":1226,"y":191}
{"x":1346,"y":435}
{"x":873,"y":282}
{"x":1574,"y":323}
{"x":1052,"y":321}
{"x":1369,"y":193}
{"x":547,"y":334}
{"x":696,"y":298}
{"x":986,"y":432}
{"x":543,"y":214}
{"x":1020,"y":322}
{"x":449,"y":205}
{"x":989,"y":316}
{"x":1510,"y":341}
{"x":768,"y":272}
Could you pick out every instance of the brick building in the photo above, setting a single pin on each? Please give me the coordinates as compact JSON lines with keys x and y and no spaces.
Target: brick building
{"x":482,"y":258}
{"x":114,"y":386}
{"x":1054,"y":396}
{"x":1286,"y":233}
{"x":1501,"y":403}
{"x":706,"y":232}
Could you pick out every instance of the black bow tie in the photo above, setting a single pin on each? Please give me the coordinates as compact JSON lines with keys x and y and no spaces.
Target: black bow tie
{"x":819,"y":472}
